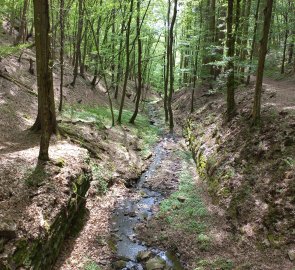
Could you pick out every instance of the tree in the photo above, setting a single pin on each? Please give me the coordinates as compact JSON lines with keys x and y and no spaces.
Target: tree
{"x":256,"y":113}
{"x":127,"y":51}
{"x":171,"y":66}
{"x":44,"y":76}
{"x":78,"y":40}
{"x":139,"y":65}
{"x":22,"y":29}
{"x":230,"y":43}
{"x":61,"y":56}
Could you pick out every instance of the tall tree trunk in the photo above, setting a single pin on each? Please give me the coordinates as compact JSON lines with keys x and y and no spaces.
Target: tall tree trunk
{"x":61,"y":55}
{"x":166,"y":82}
{"x":22,"y":29}
{"x":195,"y":74}
{"x":78,"y":41}
{"x":113,"y":47}
{"x":256,"y":114}
{"x":82,"y":64}
{"x":171,"y":61}
{"x":253,"y":41}
{"x":285,"y":42}
{"x":44,"y":76}
{"x":291,"y":52}
{"x":119,"y":66}
{"x":230,"y":43}
{"x":139,"y":64}
{"x":127,"y":46}
{"x":93,"y":83}
{"x":244,"y":50}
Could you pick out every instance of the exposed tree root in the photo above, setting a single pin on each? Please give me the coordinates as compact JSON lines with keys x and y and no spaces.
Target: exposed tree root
{"x":78,"y":139}
{"x":19,"y":83}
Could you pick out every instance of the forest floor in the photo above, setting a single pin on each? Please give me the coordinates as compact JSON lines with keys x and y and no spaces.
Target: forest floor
{"x":234,"y":230}
{"x":29,"y":202}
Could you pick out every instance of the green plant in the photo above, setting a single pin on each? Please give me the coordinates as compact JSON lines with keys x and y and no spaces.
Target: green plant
{"x":10,"y":50}
{"x":91,"y":266}
{"x":203,"y":241}
{"x":100,"y":175}
{"x":35,"y":176}
{"x":101,"y":116}
{"x":217,"y":264}
{"x":289,"y":161}
{"x":191,"y":214}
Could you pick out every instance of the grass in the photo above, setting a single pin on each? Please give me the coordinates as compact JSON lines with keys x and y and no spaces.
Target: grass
{"x":217,"y":264}
{"x":10,"y":50}
{"x":35,"y":176}
{"x":189,"y":215}
{"x":147,"y":133}
{"x":100,"y":174}
{"x":91,"y":266}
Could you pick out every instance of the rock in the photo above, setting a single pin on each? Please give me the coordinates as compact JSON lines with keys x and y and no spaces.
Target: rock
{"x":7,"y":229}
{"x":156,"y":263}
{"x":144,"y":255}
{"x":291,"y":254}
{"x":181,"y":199}
{"x":118,"y":265}
{"x":130,"y":214}
{"x":289,"y":141}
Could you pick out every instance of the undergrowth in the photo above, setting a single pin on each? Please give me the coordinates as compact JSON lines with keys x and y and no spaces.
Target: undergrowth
{"x":10,"y":50}
{"x":101,"y":116}
{"x":100,"y":174}
{"x":91,"y":266}
{"x":217,"y":264}
{"x":185,"y":209}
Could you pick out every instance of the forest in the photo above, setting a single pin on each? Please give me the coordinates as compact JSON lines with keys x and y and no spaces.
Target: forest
{"x":147,"y":134}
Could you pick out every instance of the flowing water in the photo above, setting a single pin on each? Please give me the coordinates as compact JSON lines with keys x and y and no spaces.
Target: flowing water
{"x":130,"y":213}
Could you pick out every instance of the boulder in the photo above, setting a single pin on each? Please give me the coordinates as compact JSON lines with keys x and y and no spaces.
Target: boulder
{"x":291,"y":254}
{"x":156,"y":263}
{"x":144,"y":255}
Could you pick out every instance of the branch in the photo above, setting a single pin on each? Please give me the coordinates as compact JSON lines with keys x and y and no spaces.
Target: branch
{"x":19,"y":84}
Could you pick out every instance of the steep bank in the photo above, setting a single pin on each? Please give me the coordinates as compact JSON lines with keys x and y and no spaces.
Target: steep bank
{"x":40,"y":202}
{"x":243,"y":217}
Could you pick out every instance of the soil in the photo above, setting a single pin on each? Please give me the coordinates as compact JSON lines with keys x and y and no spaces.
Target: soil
{"x":23,"y":202}
{"x":252,"y":198}
{"x":239,"y":233}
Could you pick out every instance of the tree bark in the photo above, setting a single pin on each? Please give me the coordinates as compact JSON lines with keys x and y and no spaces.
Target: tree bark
{"x":253,"y":42}
{"x":44,"y":76}
{"x":166,"y":82}
{"x":139,"y":64}
{"x":127,"y":63}
{"x":256,"y":113}
{"x":78,"y":41}
{"x":230,"y":43}
{"x":22,"y":30}
{"x":61,"y":56}
{"x":171,"y":62}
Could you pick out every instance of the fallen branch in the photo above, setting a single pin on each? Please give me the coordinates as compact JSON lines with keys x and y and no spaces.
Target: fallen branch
{"x":19,"y":83}
{"x":75,"y":138}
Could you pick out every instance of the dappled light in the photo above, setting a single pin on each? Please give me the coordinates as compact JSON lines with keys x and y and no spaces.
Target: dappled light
{"x":147,"y":135}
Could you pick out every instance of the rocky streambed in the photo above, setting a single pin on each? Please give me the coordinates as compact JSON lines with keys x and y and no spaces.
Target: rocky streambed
{"x":131,"y":252}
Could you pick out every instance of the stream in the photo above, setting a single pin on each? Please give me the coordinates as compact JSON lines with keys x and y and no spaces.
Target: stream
{"x":133,"y":254}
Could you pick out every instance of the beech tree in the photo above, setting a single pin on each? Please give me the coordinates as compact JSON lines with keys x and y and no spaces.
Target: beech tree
{"x":44,"y":76}
{"x":260,"y":69}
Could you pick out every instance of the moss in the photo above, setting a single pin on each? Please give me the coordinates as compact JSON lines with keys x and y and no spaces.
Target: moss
{"x":40,"y":253}
{"x":216,"y":264}
{"x":34,"y":177}
{"x":10,"y":50}
{"x":60,"y":162}
{"x":238,"y":199}
{"x":190,"y":215}
{"x":91,"y":266}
